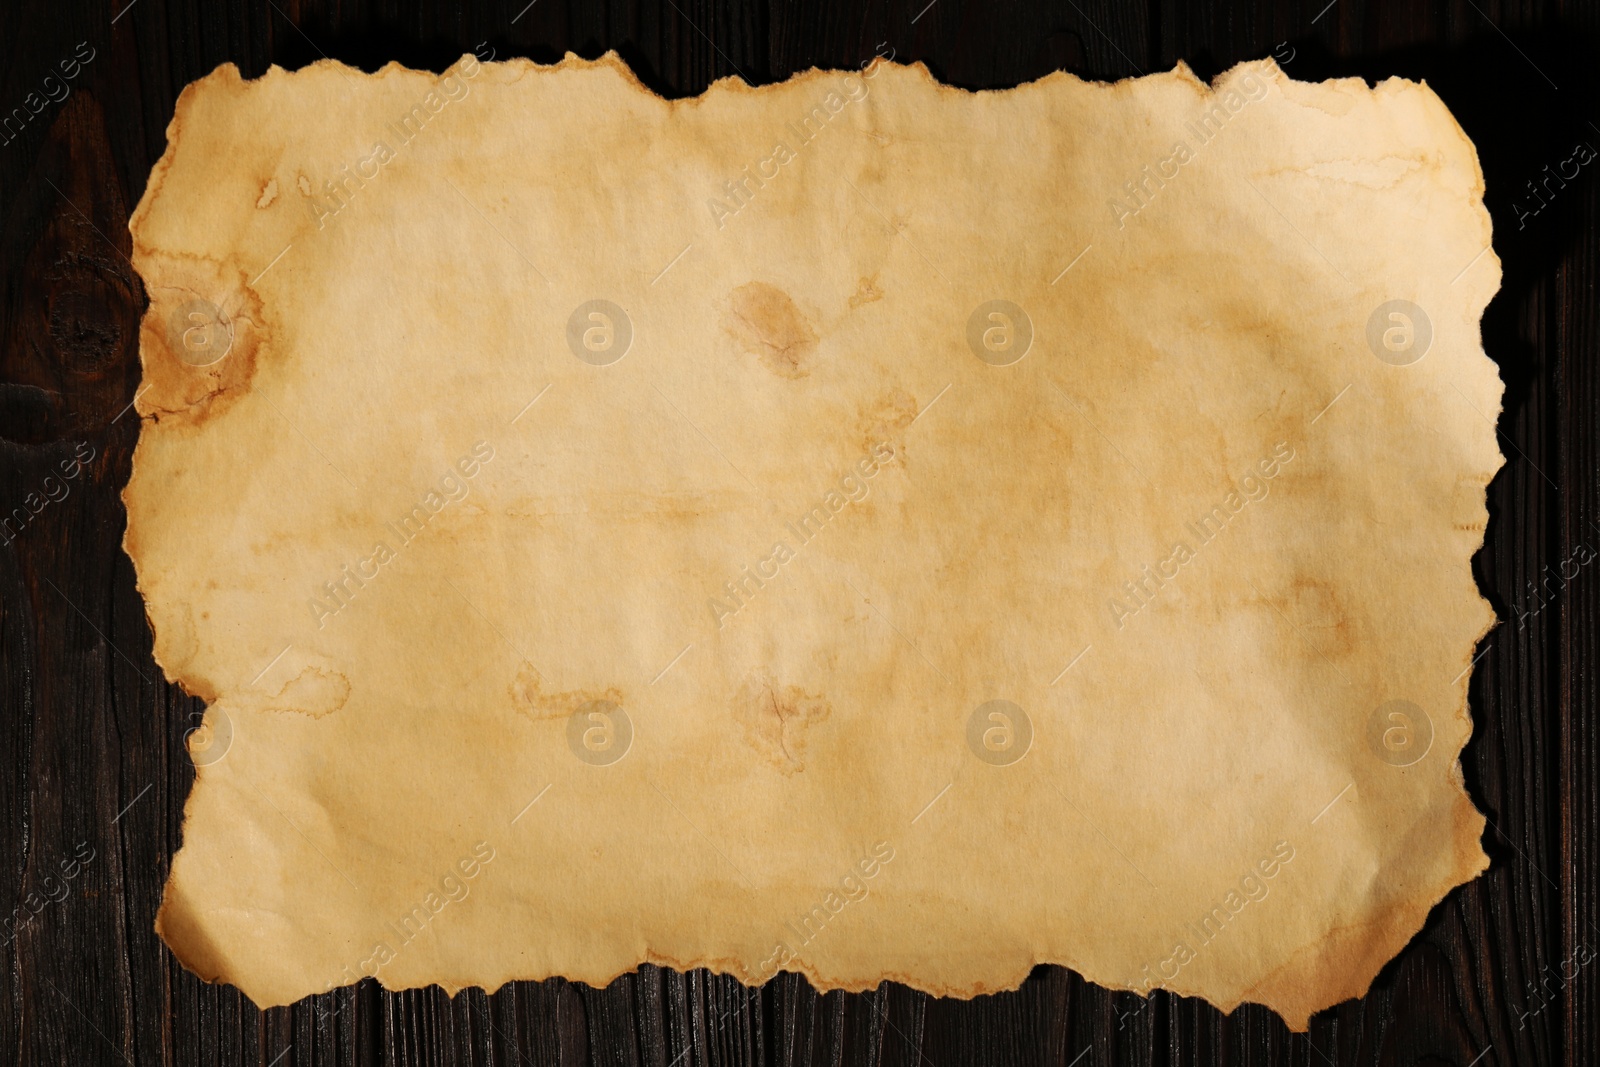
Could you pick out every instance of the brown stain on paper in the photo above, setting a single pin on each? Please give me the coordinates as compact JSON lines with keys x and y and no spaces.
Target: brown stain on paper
{"x":775,"y":719}
{"x":764,"y":321}
{"x":529,"y":698}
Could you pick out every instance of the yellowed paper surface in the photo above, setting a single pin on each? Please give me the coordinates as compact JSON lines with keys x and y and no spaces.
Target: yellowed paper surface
{"x":853,"y":526}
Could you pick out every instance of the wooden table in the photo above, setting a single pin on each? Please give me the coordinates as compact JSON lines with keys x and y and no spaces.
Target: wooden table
{"x":93,"y":772}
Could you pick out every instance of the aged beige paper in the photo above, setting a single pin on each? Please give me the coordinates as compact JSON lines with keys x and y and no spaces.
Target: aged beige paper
{"x":853,"y":526}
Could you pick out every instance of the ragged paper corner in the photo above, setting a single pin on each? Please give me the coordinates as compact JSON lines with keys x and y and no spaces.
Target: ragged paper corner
{"x":854,"y":526}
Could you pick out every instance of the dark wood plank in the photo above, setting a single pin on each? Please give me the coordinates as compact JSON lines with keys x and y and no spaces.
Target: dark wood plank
{"x":92,"y":772}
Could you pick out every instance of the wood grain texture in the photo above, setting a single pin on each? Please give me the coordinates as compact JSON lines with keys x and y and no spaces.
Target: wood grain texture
{"x":91,"y":737}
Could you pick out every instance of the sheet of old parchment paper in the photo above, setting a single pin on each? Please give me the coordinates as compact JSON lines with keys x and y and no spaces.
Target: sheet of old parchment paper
{"x":853,"y":526}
